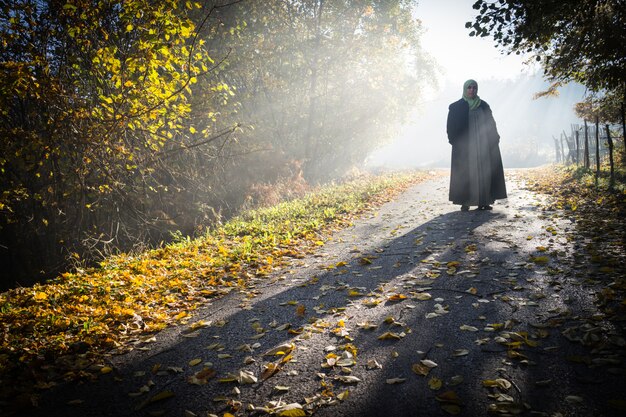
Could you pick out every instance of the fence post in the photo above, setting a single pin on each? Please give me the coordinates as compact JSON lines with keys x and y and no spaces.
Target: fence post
{"x":610,"y":140}
{"x":597,"y":148}
{"x":586,"y":157}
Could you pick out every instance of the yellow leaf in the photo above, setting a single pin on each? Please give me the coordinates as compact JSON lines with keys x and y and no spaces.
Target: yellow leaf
{"x":499,"y":383}
{"x":420,"y":369}
{"x":292,"y":410}
{"x":397,"y":297}
{"x":389,"y":335}
{"x":40,"y":296}
{"x":281,"y":349}
{"x":540,"y":260}
{"x":106,"y":369}
{"x":192,"y":129}
{"x":423,"y":296}
{"x":129,"y":27}
{"x":434,"y":383}
{"x":195,"y":362}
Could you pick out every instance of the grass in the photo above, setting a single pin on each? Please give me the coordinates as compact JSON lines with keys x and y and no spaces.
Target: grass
{"x":84,"y":313}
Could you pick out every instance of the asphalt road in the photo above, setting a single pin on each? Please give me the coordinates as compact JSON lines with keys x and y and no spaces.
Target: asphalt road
{"x":419,"y":309}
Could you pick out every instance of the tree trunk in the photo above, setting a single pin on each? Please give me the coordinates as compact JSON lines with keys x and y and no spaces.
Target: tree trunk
{"x":556,"y":149}
{"x":310,"y":140}
{"x":624,"y":128}
{"x":586,"y":145}
{"x":577,"y":149}
{"x":610,"y":140}
{"x":597,"y":149}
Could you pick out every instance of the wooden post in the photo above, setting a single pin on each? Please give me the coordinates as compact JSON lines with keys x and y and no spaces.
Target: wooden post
{"x":610,"y":140}
{"x":624,"y":130}
{"x":597,"y":148}
{"x":577,"y":148}
{"x":586,"y":145}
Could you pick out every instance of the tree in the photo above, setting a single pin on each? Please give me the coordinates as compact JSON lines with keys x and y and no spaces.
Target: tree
{"x":576,"y":40}
{"x":325,"y":82}
{"x":92,"y":95}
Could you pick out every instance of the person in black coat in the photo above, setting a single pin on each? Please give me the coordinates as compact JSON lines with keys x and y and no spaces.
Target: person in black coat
{"x":477,"y":175}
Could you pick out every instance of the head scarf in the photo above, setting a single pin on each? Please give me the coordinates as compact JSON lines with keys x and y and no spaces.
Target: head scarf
{"x":473,"y":102}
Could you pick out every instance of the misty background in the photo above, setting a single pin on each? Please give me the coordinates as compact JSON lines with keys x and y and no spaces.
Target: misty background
{"x":526,"y":125}
{"x":507,"y":82}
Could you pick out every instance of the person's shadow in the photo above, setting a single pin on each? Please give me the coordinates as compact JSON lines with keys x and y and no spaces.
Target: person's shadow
{"x":439,"y":257}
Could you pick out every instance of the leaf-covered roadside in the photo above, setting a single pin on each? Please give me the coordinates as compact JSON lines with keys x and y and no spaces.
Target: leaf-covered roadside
{"x":598,"y":212}
{"x":60,"y":328}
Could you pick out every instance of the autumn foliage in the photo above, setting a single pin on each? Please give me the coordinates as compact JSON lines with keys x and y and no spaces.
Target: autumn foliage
{"x":124,"y":121}
{"x":126,"y":298}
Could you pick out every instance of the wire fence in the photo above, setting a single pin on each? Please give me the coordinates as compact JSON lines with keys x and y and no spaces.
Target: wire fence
{"x":587,"y":144}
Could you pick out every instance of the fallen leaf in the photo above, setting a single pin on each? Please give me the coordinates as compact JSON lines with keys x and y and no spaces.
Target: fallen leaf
{"x":195,"y":362}
{"x":428,"y":363}
{"x":396,"y":297}
{"x":574,"y":399}
{"x":390,"y":336}
{"x":422,"y":296}
{"x":499,"y":383}
{"x":420,"y":369}
{"x":342,"y":396}
{"x":392,"y":381}
{"x":283,"y":349}
{"x":348,"y":379}
{"x":202,"y":377}
{"x":373,"y":364}
{"x":435,"y":383}
{"x":291,"y":410}
{"x":367,"y":325}
{"x":163,"y":395}
{"x":468,"y":328}
{"x":456,"y":380}
{"x":246,"y":377}
{"x":448,"y":397}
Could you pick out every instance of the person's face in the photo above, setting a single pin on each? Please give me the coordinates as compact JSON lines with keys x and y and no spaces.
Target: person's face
{"x":472,"y":90}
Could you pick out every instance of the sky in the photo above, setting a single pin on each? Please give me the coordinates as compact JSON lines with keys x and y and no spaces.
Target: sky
{"x":526,"y":126}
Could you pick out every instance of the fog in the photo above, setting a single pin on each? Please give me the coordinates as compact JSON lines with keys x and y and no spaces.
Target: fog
{"x":506,"y":82}
{"x":526,"y":125}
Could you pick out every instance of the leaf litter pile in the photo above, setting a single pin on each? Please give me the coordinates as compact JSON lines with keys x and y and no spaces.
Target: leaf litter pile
{"x":59,"y":330}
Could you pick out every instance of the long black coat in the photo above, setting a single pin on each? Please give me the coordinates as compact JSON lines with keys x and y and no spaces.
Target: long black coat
{"x":459,"y":137}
